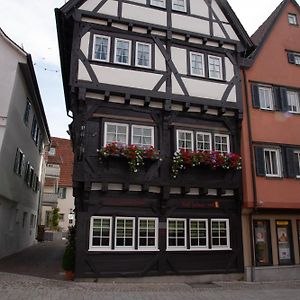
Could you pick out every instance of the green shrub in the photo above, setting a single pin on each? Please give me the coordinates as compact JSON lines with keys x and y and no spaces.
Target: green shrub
{"x":68,"y":262}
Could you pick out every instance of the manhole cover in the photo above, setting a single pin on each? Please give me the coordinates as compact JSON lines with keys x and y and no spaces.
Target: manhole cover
{"x":201,"y":285}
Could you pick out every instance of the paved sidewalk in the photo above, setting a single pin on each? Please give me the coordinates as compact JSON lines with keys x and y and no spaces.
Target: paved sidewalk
{"x":19,"y":287}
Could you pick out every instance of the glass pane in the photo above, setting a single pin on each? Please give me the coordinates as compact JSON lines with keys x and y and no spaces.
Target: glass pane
{"x":142,"y":242}
{"x":128,"y":242}
{"x":96,"y":241}
{"x":105,"y":242}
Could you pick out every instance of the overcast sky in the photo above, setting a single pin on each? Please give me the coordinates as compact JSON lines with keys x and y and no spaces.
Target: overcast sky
{"x":31,"y":23}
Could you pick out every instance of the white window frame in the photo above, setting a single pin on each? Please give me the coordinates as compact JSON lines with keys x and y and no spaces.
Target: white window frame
{"x":292,"y":18}
{"x":206,"y":237}
{"x":203,"y":64}
{"x":176,"y":8}
{"x":221,"y":67}
{"x":210,"y":140}
{"x":227,"y":138}
{"x":177,"y":248}
{"x":129,"y":52}
{"x":278,"y":162}
{"x":298,"y":154}
{"x":125,"y":248}
{"x":297,"y":104}
{"x":221,"y":247}
{"x":115,"y":124}
{"x":148,"y":248}
{"x":108,"y":47}
{"x":136,"y":55}
{"x":184,"y":131}
{"x":143,"y":127}
{"x":270,"y":90}
{"x":100,"y":248}
{"x":157,"y":3}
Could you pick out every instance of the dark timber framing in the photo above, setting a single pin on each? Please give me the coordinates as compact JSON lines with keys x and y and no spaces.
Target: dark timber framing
{"x":106,"y":188}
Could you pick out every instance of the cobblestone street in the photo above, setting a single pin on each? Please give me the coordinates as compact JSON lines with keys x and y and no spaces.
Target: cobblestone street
{"x":19,"y":287}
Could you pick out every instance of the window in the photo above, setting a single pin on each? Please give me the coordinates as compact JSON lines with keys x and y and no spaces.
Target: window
{"x":262,"y":240}
{"x":35,"y":130}
{"x":197,"y":64}
{"x":198,"y":233}
{"x":179,"y":5}
{"x":297,"y":59}
{"x":116,"y":133}
{"x":297,"y":159}
{"x":215,"y":67}
{"x":203,"y":141}
{"x":284,"y":242}
{"x":101,"y":48}
{"x":222,"y":143}
{"x":62,"y":192}
{"x":220,"y":234}
{"x":176,"y":234}
{"x":27,"y":112}
{"x":293,"y":102}
{"x":24,"y":220}
{"x":185,"y":140}
{"x":143,"y":55}
{"x":19,"y":162}
{"x":52,"y":151}
{"x":100,"y":233}
{"x":122,"y":51}
{"x":142,"y":136}
{"x":272,"y":162}
{"x":30,"y":180}
{"x":294,"y":58}
{"x":148,"y":233}
{"x":32,"y":221}
{"x":158,"y":3}
{"x":266,"y":98}
{"x":292,"y":19}
{"x":124,"y":236}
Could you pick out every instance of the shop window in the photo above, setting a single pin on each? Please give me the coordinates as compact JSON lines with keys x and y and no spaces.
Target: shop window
{"x":284,"y":242}
{"x":262,"y":241}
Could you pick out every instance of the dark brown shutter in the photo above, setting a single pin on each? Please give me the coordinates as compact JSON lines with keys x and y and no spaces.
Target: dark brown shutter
{"x":291,"y":58}
{"x":260,"y":161}
{"x":291,"y":166}
{"x":255,"y":96}
{"x":283,"y":99}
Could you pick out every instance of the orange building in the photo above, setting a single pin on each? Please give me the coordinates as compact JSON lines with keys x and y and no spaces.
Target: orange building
{"x":271,"y":148}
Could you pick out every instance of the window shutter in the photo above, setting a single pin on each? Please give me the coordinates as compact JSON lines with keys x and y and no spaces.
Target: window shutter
{"x":260,"y":161}
{"x":283,"y":99}
{"x":277,"y":99}
{"x":290,"y":163}
{"x":255,"y":96}
{"x":291,"y":58}
{"x":16,"y":161}
{"x":23,"y":165}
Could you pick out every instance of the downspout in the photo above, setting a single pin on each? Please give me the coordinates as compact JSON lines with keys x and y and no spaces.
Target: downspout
{"x":252,"y":171}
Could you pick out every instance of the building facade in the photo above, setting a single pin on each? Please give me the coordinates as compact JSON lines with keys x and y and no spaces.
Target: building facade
{"x":271,"y":143}
{"x":24,"y":134}
{"x":58,"y":190}
{"x":155,"y":92}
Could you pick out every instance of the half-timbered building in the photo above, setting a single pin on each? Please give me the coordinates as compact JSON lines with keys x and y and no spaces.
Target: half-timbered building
{"x":145,"y":79}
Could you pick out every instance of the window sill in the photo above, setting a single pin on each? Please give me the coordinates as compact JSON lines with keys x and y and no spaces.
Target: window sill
{"x":273,"y":177}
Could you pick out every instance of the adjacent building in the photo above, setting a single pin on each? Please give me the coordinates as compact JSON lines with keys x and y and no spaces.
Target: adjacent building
{"x":271,"y":148}
{"x":58,"y":191}
{"x":154,"y":88}
{"x":24,"y":134}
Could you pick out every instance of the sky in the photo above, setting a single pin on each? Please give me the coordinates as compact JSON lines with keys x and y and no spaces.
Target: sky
{"x":31,"y":24}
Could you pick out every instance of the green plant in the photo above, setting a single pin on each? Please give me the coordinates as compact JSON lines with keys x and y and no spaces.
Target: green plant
{"x":55,"y":218}
{"x":68,"y":261}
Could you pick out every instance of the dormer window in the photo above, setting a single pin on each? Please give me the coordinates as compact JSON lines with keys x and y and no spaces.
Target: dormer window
{"x":179,"y":5}
{"x":292,"y":19}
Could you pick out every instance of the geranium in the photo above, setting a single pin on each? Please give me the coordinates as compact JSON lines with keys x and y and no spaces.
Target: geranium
{"x":134,"y":154}
{"x":213,"y":159}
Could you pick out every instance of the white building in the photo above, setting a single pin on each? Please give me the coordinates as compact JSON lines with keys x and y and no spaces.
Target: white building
{"x":24,"y":133}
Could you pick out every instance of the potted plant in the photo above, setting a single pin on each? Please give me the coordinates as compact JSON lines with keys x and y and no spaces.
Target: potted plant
{"x":68,"y":261}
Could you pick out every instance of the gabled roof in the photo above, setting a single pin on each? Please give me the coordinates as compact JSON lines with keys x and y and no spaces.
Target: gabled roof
{"x":261,"y":34}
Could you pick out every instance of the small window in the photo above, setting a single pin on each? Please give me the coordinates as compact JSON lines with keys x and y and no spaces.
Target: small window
{"x":220,"y":234}
{"x":266,"y":98}
{"x":148,"y":233}
{"x":116,"y":133}
{"x":124,"y":236}
{"x":215,"y":67}
{"x":62,"y":192}
{"x":176,"y":234}
{"x":122,"y":51}
{"x":100,"y":233}
{"x":297,"y":160}
{"x":198,"y":233}
{"x":52,"y":151}
{"x":143,"y":55}
{"x":19,"y":162}
{"x":294,"y":58}
{"x":27,"y":112}
{"x":272,"y":162}
{"x":293,"y":102}
{"x":292,"y":19}
{"x":185,"y":140}
{"x":179,"y":5}
{"x":197,"y":64}
{"x":34,"y":129}
{"x":158,"y":3}
{"x":203,"y":141}
{"x":101,"y":48}
{"x":222,"y":143}
{"x":142,"y":136}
